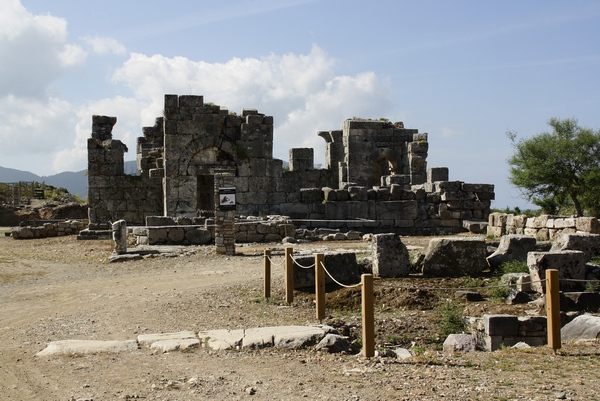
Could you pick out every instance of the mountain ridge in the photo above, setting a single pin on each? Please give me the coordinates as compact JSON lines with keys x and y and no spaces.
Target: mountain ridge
{"x":74,"y":181}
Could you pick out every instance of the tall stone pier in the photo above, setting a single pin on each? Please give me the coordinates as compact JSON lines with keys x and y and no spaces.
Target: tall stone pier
{"x":224,"y":213}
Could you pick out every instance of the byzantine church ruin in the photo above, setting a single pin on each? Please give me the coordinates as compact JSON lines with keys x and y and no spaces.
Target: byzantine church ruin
{"x":375,"y":178}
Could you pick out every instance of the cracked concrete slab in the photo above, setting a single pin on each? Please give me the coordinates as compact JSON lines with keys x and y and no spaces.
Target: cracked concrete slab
{"x":148,"y":339}
{"x":71,"y":347}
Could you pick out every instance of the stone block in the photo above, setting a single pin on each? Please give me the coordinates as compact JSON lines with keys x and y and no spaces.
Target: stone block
{"x":495,"y":231}
{"x":584,"y":327}
{"x":475,"y":226}
{"x":583,"y":301}
{"x":341,"y":265}
{"x":119,"y":234}
{"x":437,"y":174}
{"x":176,"y":235}
{"x":447,"y":257}
{"x":532,"y":325}
{"x":491,"y":343}
{"x":588,"y":225}
{"x":460,"y":343}
{"x":396,"y":210}
{"x":564,"y":222}
{"x":357,"y":193}
{"x":501,"y":325}
{"x":497,"y":219}
{"x":157,"y":236}
{"x":309,"y":195}
{"x":399,"y":193}
{"x":390,"y":256}
{"x":447,"y":186}
{"x":585,"y":242}
{"x":570,"y":265}
{"x":519,"y":220}
{"x":477,"y":188}
{"x":154,"y":221}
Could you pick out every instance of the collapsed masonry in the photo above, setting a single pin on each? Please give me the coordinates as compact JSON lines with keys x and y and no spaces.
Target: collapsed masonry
{"x":375,"y":179}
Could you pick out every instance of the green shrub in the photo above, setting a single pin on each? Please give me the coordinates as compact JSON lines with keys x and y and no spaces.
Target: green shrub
{"x":451,"y":319}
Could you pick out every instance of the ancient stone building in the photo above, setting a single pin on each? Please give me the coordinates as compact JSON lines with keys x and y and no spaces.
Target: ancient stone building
{"x":375,"y":178}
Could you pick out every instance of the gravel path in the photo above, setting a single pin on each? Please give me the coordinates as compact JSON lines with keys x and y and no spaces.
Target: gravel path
{"x":60,"y":288}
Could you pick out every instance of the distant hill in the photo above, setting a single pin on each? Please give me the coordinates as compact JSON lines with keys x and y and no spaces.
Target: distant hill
{"x":74,"y":182}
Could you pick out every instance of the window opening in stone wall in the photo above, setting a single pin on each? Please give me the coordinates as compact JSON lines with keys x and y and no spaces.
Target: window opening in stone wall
{"x":383,"y":166}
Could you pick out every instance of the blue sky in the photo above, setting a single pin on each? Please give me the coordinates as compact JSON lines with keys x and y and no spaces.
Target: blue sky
{"x":465,"y":72}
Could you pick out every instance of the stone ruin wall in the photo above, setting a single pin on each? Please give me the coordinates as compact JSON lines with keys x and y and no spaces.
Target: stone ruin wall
{"x":375,"y":179}
{"x":543,"y":228}
{"x":49,"y":229}
{"x":113,"y":195}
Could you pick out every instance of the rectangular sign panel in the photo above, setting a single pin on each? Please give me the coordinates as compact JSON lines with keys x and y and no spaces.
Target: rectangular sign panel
{"x":227,"y":198}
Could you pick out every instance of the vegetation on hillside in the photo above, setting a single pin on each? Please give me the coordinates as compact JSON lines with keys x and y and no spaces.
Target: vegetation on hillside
{"x":35,"y":190}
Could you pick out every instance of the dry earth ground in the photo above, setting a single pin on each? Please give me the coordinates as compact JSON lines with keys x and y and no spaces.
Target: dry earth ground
{"x":61,"y":288}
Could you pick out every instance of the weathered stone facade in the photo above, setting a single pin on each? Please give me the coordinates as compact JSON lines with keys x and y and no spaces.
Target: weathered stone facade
{"x":375,"y":179}
{"x":113,"y":195}
{"x":545,"y":227}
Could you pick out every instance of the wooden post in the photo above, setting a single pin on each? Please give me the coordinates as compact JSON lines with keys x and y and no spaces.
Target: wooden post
{"x":320,"y":285}
{"x":553,"y":309}
{"x":267,"y":285}
{"x":289,"y":275}
{"x":368,"y":316}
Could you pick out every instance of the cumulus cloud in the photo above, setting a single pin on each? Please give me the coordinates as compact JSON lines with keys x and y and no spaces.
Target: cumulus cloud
{"x":302,"y":92}
{"x":32,"y":126}
{"x":104,"y":45}
{"x":35,"y":52}
{"x":33,"y":49}
{"x":127,"y":129}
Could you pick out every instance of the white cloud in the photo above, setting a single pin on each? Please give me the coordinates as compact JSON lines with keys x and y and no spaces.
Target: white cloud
{"x":33,"y":126}
{"x":127,"y":129}
{"x":104,"y":45}
{"x":35,"y":52}
{"x":33,"y":49}
{"x":302,"y":92}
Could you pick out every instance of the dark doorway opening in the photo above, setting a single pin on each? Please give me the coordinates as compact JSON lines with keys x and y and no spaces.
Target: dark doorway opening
{"x":205,"y":195}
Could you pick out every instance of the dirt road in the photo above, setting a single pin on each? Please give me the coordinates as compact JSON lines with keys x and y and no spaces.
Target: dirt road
{"x":60,"y":288}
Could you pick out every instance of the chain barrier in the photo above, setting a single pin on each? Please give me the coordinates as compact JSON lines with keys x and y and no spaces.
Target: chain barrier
{"x":337,"y":282}
{"x":299,"y":265}
{"x":280,"y":263}
{"x":579,"y":280}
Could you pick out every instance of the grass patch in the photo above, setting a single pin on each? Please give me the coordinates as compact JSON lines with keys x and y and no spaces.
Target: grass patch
{"x":471,"y":282}
{"x":451,"y":318}
{"x":592,"y":286}
{"x":497,"y":292}
{"x":595,"y":259}
{"x":514,"y":266}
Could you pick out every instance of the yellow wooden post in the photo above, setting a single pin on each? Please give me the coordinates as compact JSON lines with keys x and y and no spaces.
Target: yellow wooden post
{"x":368,"y":316}
{"x":267,"y":285}
{"x":553,"y":308}
{"x":289,"y":275}
{"x":320,"y":285}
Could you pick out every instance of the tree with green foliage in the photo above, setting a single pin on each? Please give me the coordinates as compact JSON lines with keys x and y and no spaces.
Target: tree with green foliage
{"x":559,"y":170}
